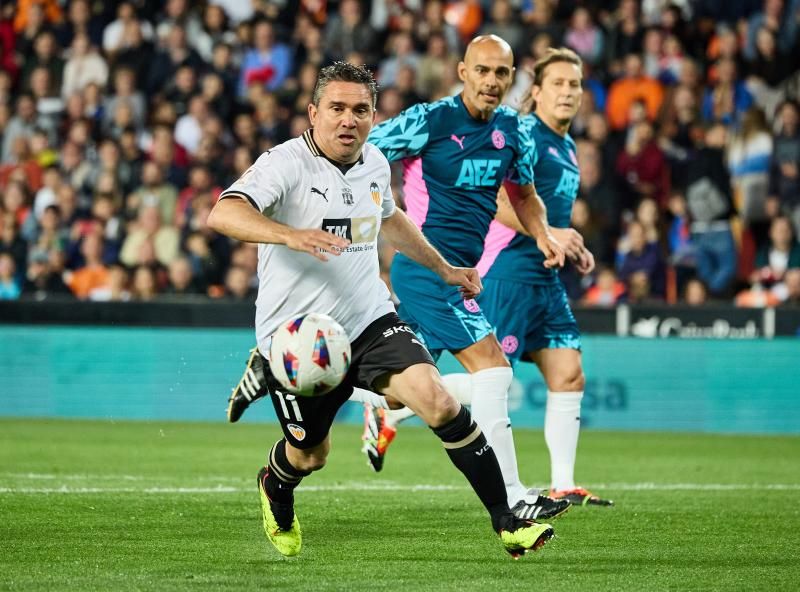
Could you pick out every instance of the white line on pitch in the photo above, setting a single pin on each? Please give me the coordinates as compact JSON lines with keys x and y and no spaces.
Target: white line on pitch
{"x":395,"y":487}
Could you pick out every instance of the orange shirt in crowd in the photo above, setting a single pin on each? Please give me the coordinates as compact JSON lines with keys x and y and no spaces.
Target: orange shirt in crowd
{"x":51,"y":9}
{"x":625,"y":91}
{"x":87,"y":279}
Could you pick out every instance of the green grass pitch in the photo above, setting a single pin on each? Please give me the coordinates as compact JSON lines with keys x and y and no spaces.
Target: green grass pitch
{"x":100,"y":505}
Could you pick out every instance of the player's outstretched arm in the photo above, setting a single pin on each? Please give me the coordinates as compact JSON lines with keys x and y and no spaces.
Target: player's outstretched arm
{"x":404,"y":236}
{"x":569,"y":238}
{"x":238,"y":219}
{"x":532,"y":214}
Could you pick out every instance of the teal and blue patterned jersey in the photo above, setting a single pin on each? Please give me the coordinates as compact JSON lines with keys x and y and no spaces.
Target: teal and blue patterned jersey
{"x":512,"y":256}
{"x":453,"y":167}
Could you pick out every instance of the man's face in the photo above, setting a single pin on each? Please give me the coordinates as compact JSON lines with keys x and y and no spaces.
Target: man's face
{"x":487,"y":72}
{"x":559,"y":96}
{"x":343,"y":120}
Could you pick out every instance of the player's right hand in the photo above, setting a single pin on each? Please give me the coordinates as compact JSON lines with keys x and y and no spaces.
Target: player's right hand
{"x":571,"y":240}
{"x":552,"y":250}
{"x":467,"y":279}
{"x":317,"y":242}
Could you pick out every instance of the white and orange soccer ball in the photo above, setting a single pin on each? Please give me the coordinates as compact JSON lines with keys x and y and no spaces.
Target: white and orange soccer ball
{"x":310,"y":355}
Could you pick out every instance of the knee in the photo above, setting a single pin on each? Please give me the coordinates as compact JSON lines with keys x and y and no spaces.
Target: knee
{"x":569,"y":381}
{"x":437,"y":405}
{"x":308,"y":460}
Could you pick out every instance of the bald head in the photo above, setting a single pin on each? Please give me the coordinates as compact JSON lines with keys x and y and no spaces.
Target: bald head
{"x":488,"y":43}
{"x":487,"y":72}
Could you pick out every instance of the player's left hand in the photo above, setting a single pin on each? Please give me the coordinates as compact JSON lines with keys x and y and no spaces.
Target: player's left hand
{"x":467,"y":278}
{"x":584,"y":263}
{"x":552,"y":250}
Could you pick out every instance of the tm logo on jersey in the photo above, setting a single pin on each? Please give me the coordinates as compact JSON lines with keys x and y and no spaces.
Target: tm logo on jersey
{"x":356,"y":230}
{"x":478,"y":172}
{"x":568,"y":184}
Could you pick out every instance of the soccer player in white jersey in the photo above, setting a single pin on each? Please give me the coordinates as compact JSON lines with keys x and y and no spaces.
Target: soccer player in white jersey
{"x":315,"y":206}
{"x":464,"y":147}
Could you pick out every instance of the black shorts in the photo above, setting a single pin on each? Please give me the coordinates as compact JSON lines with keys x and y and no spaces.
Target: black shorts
{"x":387,"y":345}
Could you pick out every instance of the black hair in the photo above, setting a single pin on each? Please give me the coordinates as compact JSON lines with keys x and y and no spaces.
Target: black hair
{"x":344,"y":72}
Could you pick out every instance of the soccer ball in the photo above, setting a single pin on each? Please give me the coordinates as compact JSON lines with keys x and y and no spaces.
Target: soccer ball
{"x":310,"y":355}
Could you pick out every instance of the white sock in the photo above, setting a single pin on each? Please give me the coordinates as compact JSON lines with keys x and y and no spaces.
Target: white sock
{"x":364,"y":396}
{"x":562,"y":423}
{"x":490,"y":411}
{"x":393,"y":416}
{"x":460,"y":386}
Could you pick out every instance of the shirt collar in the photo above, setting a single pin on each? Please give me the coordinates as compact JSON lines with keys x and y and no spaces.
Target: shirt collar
{"x":308,"y":136}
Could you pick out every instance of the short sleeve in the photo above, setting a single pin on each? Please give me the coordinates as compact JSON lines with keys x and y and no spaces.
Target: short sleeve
{"x":387,"y":201}
{"x":404,"y":135}
{"x":267,"y":182}
{"x":521,"y":169}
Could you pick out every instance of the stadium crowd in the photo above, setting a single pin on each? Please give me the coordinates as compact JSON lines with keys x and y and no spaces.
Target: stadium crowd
{"x":121,"y":123}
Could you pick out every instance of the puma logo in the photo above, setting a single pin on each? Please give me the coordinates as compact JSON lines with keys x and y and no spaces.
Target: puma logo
{"x":324,"y":195}
{"x":457,"y":140}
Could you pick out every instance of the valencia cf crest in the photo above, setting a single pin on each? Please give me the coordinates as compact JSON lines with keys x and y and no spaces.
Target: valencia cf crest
{"x":375,"y":192}
{"x":295,"y":430}
{"x":347,"y":196}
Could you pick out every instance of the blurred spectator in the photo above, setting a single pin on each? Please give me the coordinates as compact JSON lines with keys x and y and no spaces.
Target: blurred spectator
{"x":433,"y":23}
{"x":792,"y":281}
{"x":784,"y":173}
{"x":167,"y":61}
{"x":181,"y":279}
{"x":595,"y":237}
{"x":680,"y":130}
{"x":748,"y":161}
{"x":143,"y":286}
{"x":118,"y":34}
{"x":607,"y":290}
{"x":642,"y":167}
{"x":266,"y":62}
{"x":502,"y":22}
{"x":633,"y":86}
{"x":154,"y":191}
{"x":45,"y":55}
{"x":774,"y":259}
{"x":774,"y":18}
{"x":178,"y":13}
{"x":401,"y":53}
{"x":150,"y":241}
{"x":84,"y":65}
{"x":680,"y":247}
{"x":645,"y":258}
{"x":728,"y":98}
{"x":770,"y":65}
{"x":189,"y":127}
{"x":10,"y":286}
{"x":348,"y":32}
{"x":80,"y":21}
{"x":42,"y":280}
{"x":91,"y":280}
{"x":585,"y":37}
{"x":238,"y":285}
{"x":135,"y":52}
{"x":695,"y":293}
{"x":710,"y":205}
{"x":206,"y":266}
{"x":125,"y":92}
{"x":626,"y":36}
{"x":21,"y":125}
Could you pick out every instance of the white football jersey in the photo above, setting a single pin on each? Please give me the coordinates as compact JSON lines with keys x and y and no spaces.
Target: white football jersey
{"x":296,"y":185}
